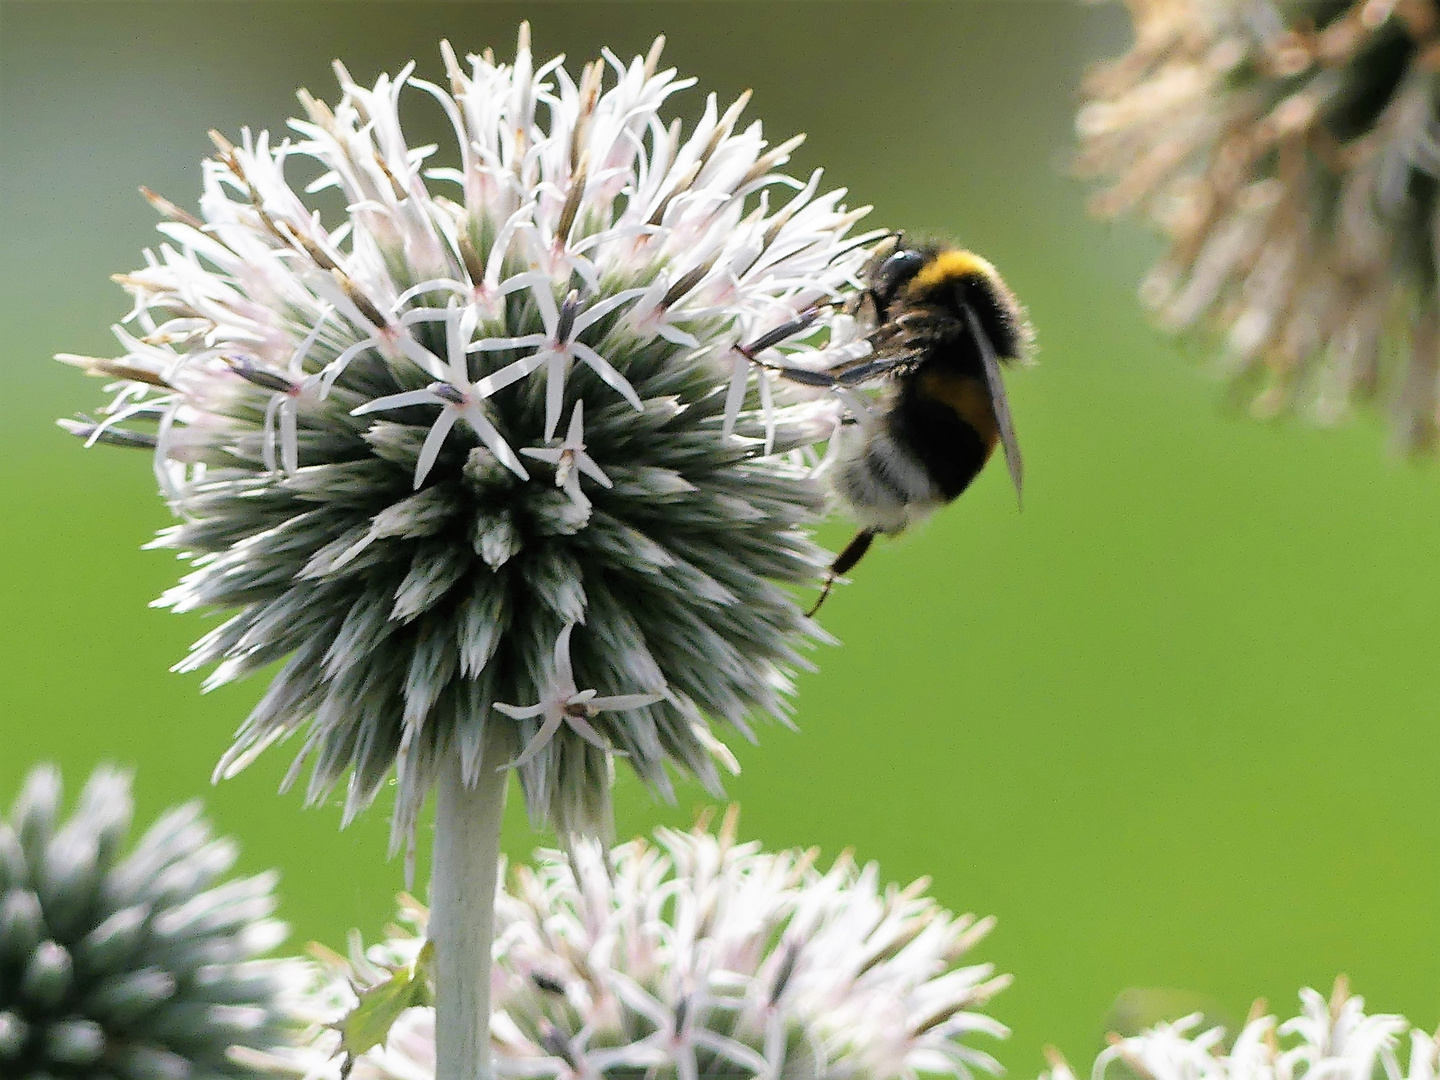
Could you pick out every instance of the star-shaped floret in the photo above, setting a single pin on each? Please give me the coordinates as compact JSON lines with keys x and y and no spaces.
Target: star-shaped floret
{"x":570,"y":460}
{"x":563,"y":703}
{"x":556,"y":348}
{"x":459,"y":398}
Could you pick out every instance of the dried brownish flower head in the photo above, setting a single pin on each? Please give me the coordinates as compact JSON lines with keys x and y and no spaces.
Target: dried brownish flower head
{"x":1289,"y":153}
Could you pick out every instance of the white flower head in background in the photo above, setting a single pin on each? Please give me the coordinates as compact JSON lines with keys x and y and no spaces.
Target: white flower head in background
{"x":1288,"y":150}
{"x":697,"y":957}
{"x":355,"y":421}
{"x":132,"y":964}
{"x":1333,"y":1038}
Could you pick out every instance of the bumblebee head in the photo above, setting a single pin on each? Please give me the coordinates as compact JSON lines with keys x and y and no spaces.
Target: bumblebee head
{"x":950,"y":279}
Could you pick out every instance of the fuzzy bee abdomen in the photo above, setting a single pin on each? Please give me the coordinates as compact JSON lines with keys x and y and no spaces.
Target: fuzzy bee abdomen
{"x":885,"y":485}
{"x":948,"y":423}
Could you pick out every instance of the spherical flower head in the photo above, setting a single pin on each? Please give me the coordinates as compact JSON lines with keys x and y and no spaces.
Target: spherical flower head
{"x":1328,"y":1038}
{"x":1288,"y":152}
{"x":488,"y":435}
{"x":699,"y":957}
{"x":138,"y":965}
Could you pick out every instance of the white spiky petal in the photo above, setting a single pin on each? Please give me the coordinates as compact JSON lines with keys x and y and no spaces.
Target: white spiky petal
{"x":1334,"y":1038}
{"x":700,"y":957}
{"x":342,"y":410}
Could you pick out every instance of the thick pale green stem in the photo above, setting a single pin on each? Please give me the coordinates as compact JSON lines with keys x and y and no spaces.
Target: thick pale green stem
{"x":462,"y":916}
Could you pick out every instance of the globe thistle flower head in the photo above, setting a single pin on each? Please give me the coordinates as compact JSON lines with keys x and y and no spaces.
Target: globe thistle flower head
{"x":496,"y":404}
{"x":137,"y":965}
{"x":1287,"y":150}
{"x":699,"y":957}
{"x":1328,"y":1038}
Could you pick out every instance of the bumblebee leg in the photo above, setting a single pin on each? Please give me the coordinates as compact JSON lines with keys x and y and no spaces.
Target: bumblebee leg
{"x":853,"y":553}
{"x":780,"y":333}
{"x":854,"y":375}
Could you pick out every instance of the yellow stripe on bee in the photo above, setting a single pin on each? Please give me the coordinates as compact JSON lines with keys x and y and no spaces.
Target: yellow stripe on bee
{"x":949,"y":266}
{"x":970,"y":398}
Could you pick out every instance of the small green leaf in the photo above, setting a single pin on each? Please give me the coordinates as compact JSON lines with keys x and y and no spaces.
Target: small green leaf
{"x":368,"y":1024}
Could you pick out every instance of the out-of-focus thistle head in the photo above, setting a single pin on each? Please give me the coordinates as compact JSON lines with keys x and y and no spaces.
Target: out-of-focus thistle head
{"x":698,"y":958}
{"x":137,"y":965}
{"x":1328,"y":1038}
{"x":485,"y":439}
{"x":1288,"y":149}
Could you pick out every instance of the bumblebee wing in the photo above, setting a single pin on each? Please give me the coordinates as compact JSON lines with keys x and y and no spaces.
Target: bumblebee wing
{"x":1004,"y":422}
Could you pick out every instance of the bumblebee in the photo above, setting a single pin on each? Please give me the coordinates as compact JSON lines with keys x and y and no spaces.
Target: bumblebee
{"x":942,"y":324}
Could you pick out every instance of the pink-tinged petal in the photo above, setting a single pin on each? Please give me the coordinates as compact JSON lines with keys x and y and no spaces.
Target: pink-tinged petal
{"x":496,"y":261}
{"x":564,"y":673}
{"x":730,"y":1049}
{"x":534,"y":746}
{"x":571,"y":487}
{"x":458,"y":341}
{"x":119,"y":416}
{"x":520,"y":712}
{"x":595,"y":312}
{"x":500,"y":344}
{"x":336,"y":367}
{"x":540,"y":287}
{"x":586,"y":269}
{"x":767,"y":410}
{"x":297,"y":358}
{"x":433,"y":441}
{"x":602,"y":367}
{"x":422,"y":356}
{"x":636,"y":997}
{"x":676,"y":336}
{"x":510,"y":373}
{"x":289,"y":434}
{"x":491,"y":437}
{"x":164,"y":432}
{"x":586,"y":464}
{"x":555,"y":364}
{"x":267,"y":450}
{"x":529,"y":281}
{"x":575,"y":434}
{"x":735,"y":396}
{"x":398,"y":401}
{"x":685,"y":1065}
{"x":449,"y":285}
{"x":586,"y":731}
{"x":621,"y":702}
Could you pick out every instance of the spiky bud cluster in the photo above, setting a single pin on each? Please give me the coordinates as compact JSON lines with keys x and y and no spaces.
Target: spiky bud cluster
{"x":699,"y":957}
{"x":1328,"y":1038}
{"x":495,"y":405}
{"x":131,"y":966}
{"x":1288,"y":151}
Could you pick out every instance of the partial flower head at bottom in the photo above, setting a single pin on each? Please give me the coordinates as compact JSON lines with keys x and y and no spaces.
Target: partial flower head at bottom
{"x":697,"y":958}
{"x":1334,"y":1038}
{"x":498,"y":402}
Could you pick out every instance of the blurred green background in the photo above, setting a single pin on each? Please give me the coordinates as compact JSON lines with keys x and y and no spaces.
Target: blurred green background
{"x":1174,"y":724}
